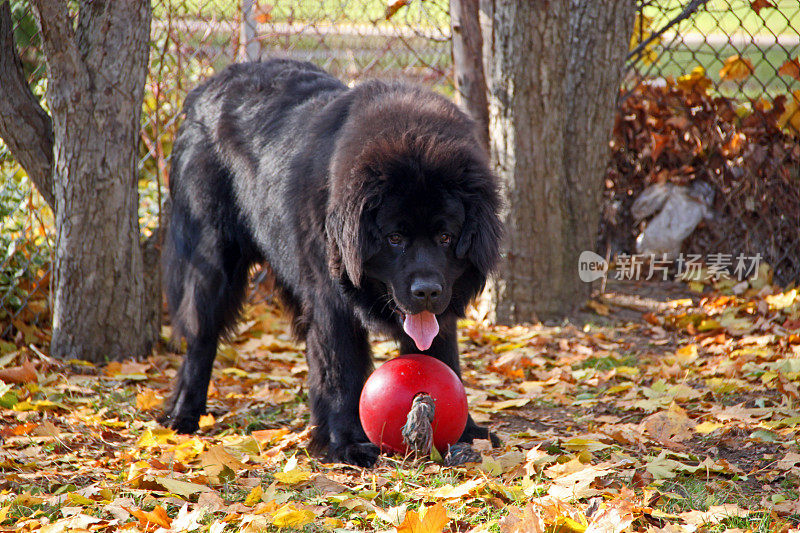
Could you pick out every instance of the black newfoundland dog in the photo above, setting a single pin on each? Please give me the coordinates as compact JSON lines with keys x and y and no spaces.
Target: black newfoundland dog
{"x":373,"y":206}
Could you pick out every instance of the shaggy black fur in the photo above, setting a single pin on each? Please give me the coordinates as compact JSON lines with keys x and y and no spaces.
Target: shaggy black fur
{"x":367,"y":203}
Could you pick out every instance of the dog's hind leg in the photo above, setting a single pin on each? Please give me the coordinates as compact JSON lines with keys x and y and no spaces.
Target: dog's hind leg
{"x":206,"y":276}
{"x":213,"y":287}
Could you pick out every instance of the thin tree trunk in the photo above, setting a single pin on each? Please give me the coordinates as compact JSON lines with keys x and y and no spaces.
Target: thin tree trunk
{"x":553,"y":71}
{"x":24,"y":126}
{"x":96,"y":72}
{"x":468,"y":64}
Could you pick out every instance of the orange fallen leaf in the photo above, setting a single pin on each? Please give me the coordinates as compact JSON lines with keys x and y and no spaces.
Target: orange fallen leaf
{"x":269,"y":436}
{"x":735,"y":68}
{"x":428,"y":520}
{"x":148,"y":519}
{"x":659,"y":143}
{"x":758,"y":5}
{"x":394,"y":7}
{"x":263,"y":13}
{"x":735,"y":144}
{"x":670,"y":426}
{"x":19,"y":374}
{"x":217,"y":458}
{"x":19,"y":429}
{"x":526,"y":519}
{"x":791,"y":67}
{"x":650,"y":318}
{"x":615,"y":515}
{"x":148,"y":399}
{"x":206,"y":421}
{"x":599,"y":308}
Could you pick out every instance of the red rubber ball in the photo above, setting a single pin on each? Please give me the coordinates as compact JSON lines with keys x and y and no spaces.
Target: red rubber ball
{"x":388,"y":393}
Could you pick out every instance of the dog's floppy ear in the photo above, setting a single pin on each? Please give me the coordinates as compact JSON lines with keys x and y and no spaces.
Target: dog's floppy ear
{"x":482,"y":232}
{"x":349,"y":242}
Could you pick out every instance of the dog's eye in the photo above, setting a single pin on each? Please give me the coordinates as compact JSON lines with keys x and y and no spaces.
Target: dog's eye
{"x":395,"y":239}
{"x":445,"y":239}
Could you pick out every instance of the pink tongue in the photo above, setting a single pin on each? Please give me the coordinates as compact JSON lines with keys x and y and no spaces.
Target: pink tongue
{"x":421,"y":327}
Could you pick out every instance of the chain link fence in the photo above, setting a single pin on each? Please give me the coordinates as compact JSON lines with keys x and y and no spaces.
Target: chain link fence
{"x":355,"y":39}
{"x":710,"y":115}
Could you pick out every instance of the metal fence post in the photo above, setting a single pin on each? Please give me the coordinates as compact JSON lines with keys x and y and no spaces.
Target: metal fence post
{"x":249,"y":49}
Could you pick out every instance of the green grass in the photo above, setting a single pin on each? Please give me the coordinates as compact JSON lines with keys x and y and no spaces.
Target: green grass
{"x":689,"y":493}
{"x":731,"y":16}
{"x":608,"y":362}
{"x":680,"y":59}
{"x":432,"y":13}
{"x":718,"y":16}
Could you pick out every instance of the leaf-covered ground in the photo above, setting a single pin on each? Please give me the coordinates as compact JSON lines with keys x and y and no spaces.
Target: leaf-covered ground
{"x":666,"y":409}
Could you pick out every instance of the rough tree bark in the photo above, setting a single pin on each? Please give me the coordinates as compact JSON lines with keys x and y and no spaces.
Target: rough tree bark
{"x":468,"y":64}
{"x":97,"y":61}
{"x":553,"y":70}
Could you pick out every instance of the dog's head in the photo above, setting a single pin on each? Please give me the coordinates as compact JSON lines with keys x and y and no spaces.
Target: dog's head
{"x":414,"y":209}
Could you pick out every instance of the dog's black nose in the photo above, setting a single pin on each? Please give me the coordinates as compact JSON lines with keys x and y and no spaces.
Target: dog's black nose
{"x":426,"y":291}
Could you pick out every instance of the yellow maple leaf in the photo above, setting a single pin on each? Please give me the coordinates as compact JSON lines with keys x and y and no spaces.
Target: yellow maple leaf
{"x":790,"y":119}
{"x":736,"y":67}
{"x":430,"y":520}
{"x":188,"y":449}
{"x":293,"y":477}
{"x":332,"y":523}
{"x":565,"y":523}
{"x":448,"y":491}
{"x":509,"y":404}
{"x":79,"y":499}
{"x":708,"y":427}
{"x":686,"y":354}
{"x":696,"y":80}
{"x":137,"y":469}
{"x":291,"y":516}
{"x":642,"y":30}
{"x":154,"y":437}
{"x":254,"y":496}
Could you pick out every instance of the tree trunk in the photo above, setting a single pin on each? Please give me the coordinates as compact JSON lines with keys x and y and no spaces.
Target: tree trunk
{"x":553,"y":72}
{"x":468,"y":64}
{"x":96,"y":72}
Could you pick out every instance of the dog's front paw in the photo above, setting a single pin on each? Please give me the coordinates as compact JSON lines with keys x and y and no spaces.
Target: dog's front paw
{"x":178,"y":422}
{"x":179,"y":416}
{"x":363,"y":454}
